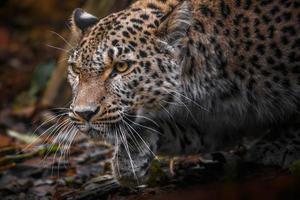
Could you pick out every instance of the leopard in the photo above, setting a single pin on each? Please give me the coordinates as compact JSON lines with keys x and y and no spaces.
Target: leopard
{"x":188,"y":77}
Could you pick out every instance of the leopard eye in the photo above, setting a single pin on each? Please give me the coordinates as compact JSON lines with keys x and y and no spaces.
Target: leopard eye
{"x":121,"y":67}
{"x":73,"y":68}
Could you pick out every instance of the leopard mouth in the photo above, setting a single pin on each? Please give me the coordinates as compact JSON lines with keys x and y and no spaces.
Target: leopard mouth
{"x":100,"y":130}
{"x":107,"y":134}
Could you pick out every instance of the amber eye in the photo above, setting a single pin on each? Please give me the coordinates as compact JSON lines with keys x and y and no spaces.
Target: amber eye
{"x":121,"y":67}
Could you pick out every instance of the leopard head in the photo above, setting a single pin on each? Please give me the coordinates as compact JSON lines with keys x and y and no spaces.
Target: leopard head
{"x":124,"y":66}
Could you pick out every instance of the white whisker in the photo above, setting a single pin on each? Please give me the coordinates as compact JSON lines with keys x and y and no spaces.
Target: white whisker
{"x":58,"y":48}
{"x":63,"y":39}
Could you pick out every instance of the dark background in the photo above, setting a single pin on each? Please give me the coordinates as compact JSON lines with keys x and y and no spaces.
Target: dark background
{"x":33,"y":82}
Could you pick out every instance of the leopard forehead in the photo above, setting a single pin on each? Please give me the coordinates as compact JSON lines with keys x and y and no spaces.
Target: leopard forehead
{"x":126,"y":35}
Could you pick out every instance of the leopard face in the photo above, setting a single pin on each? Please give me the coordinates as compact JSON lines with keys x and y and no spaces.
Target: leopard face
{"x":118,"y":71}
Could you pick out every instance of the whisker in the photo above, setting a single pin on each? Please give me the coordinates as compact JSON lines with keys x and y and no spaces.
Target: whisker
{"x":135,"y":140}
{"x":62,"y":60}
{"x":124,"y":141}
{"x":65,"y":141}
{"x":49,"y":120}
{"x":117,"y":153}
{"x":186,"y":107}
{"x":58,"y":48}
{"x":63,"y":39}
{"x":194,"y":102}
{"x":60,"y":143}
{"x":146,"y":127}
{"x":140,"y":116}
{"x":54,"y":131}
{"x":129,"y":126}
{"x":73,"y":135}
{"x":37,"y":138}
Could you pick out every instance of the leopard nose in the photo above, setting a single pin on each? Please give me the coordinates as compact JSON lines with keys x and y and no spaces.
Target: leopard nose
{"x":86,"y":113}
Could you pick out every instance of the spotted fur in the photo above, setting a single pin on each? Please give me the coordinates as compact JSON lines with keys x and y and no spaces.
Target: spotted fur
{"x":201,"y":76}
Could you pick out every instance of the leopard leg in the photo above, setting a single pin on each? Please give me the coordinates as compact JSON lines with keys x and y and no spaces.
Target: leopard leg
{"x":133,"y":157}
{"x":280,"y":146}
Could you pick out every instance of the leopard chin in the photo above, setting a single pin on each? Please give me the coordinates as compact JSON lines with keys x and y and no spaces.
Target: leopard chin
{"x":98,"y":135}
{"x":103,"y":132}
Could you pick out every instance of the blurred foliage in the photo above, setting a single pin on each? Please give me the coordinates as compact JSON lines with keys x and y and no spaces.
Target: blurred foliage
{"x":25,"y":31}
{"x":295,"y":168}
{"x":157,"y":174}
{"x":40,"y":76}
{"x":39,"y":80}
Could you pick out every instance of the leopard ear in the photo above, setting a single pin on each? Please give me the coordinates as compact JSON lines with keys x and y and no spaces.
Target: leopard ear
{"x":174,"y":25}
{"x":82,"y":20}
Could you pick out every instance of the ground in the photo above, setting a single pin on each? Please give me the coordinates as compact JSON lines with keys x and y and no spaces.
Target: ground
{"x":31,"y":167}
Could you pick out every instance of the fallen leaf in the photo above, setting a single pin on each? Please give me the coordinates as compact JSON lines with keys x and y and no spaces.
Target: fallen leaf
{"x":27,"y":138}
{"x":5,"y":141}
